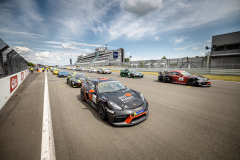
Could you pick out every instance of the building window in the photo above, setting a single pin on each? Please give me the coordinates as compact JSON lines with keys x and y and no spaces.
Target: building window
{"x":232,"y":46}
{"x":219,"y":48}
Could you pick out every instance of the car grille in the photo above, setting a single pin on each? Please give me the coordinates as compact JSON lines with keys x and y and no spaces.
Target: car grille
{"x":120,"y":118}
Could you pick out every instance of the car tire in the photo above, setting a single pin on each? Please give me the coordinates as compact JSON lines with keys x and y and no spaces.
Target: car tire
{"x":67,"y":81}
{"x":102,"y":113}
{"x":82,"y":96}
{"x":131,"y":76}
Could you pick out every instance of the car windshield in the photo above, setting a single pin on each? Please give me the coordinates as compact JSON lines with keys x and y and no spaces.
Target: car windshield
{"x":132,"y":70}
{"x":104,"y":68}
{"x":80,"y":75}
{"x":185,"y":73}
{"x":110,"y":86}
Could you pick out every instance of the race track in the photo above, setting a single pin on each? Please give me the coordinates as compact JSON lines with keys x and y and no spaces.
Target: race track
{"x":184,"y":123}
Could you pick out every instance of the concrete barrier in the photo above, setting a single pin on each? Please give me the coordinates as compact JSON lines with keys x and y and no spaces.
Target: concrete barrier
{"x":10,"y":84}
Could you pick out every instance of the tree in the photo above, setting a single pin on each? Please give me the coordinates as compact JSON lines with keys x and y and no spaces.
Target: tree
{"x":164,"y":57}
{"x":126,"y":59}
{"x":141,"y":64}
{"x":30,"y":64}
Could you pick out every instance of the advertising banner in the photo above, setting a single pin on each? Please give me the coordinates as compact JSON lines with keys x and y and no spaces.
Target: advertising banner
{"x":10,"y":84}
{"x":13,"y":83}
{"x":115,"y":54}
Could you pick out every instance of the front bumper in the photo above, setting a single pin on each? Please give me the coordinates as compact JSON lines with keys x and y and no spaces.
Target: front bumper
{"x":127,"y":118}
{"x":205,"y":83}
{"x":138,"y":76}
{"x":77,"y":84}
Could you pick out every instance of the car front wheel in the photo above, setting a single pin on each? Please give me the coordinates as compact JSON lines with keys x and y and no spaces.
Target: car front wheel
{"x":82,"y":96}
{"x":102,"y":111}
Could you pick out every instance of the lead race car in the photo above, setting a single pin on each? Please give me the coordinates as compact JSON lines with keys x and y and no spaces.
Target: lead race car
{"x":113,"y":101}
{"x":183,"y":77}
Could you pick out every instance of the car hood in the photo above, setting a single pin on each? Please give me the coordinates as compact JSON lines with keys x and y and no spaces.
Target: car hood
{"x":198,"y":77}
{"x":126,"y":99}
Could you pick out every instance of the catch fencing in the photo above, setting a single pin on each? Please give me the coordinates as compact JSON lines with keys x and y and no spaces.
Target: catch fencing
{"x":177,"y":63}
{"x":10,"y":61}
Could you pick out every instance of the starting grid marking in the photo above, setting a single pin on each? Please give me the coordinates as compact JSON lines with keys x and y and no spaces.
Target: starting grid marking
{"x":47,"y":146}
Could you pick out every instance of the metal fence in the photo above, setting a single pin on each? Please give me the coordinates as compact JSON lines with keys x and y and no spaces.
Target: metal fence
{"x":178,"y":63}
{"x":10,"y":61}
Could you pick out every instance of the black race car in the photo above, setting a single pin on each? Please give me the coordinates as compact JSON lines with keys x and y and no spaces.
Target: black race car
{"x":183,"y":77}
{"x":113,"y":101}
{"x":130,"y":73}
{"x":76,"y":80}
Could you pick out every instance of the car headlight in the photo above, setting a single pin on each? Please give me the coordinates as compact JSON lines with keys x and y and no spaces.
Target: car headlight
{"x":142,"y":97}
{"x":114,"y":106}
{"x":79,"y":80}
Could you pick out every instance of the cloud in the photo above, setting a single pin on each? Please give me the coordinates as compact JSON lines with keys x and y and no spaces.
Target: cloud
{"x":44,"y":55}
{"x":53,"y":42}
{"x":195,"y":48}
{"x":178,"y":40}
{"x":21,"y":33}
{"x":141,"y":7}
{"x":156,"y":38}
{"x":179,"y":49}
{"x":19,"y":49}
{"x":202,"y":54}
{"x":128,"y":53}
{"x":208,"y":41}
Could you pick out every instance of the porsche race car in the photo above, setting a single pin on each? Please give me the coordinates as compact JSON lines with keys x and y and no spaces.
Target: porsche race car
{"x":183,"y":77}
{"x":114,"y":102}
{"x":130,"y":73}
{"x":104,"y":71}
{"x":76,"y":80}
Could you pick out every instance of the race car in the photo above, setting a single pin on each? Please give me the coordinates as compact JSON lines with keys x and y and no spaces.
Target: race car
{"x":55,"y":71}
{"x":130,"y":73}
{"x":104,"y":71}
{"x":62,"y":73}
{"x":92,"y":70}
{"x":183,"y":77}
{"x":69,"y":75}
{"x":114,"y":102}
{"x":78,"y":79}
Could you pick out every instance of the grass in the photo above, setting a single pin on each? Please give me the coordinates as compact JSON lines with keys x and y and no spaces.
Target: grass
{"x":211,"y":77}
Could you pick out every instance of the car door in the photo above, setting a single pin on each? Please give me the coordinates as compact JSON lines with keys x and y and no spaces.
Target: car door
{"x":92,"y":92}
{"x":125,"y":72}
{"x":175,"y":77}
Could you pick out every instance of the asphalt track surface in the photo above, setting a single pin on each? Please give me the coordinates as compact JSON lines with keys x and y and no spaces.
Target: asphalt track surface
{"x":184,"y":122}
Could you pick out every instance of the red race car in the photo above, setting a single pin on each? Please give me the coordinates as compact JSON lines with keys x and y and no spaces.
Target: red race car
{"x":183,"y":77}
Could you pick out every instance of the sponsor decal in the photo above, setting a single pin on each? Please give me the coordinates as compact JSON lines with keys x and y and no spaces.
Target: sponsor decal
{"x":180,"y":78}
{"x":138,"y":109}
{"x":13,"y":83}
{"x":22,"y":76}
{"x":94,"y":98}
{"x":126,"y":99}
{"x":25,"y":73}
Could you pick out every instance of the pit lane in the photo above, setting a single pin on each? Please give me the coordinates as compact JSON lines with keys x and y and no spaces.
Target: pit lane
{"x":184,"y":122}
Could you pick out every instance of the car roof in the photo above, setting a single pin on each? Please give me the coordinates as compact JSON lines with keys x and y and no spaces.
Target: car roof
{"x":100,"y":80}
{"x":176,"y":71}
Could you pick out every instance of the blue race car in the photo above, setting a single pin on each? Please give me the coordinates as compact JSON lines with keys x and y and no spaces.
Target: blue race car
{"x":63,"y":73}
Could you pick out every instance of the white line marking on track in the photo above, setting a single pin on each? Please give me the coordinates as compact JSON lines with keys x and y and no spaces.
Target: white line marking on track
{"x":47,"y":148}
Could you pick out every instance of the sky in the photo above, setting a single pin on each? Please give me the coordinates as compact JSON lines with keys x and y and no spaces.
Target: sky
{"x":53,"y":31}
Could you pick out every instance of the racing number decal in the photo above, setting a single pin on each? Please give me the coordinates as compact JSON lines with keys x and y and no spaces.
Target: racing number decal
{"x":94,"y":98}
{"x":180,"y":79}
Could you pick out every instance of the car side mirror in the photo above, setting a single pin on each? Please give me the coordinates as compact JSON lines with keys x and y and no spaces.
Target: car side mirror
{"x":125,"y":85}
{"x":91,"y":91}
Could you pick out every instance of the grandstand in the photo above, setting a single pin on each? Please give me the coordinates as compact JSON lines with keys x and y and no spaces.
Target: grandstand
{"x":101,"y":55}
